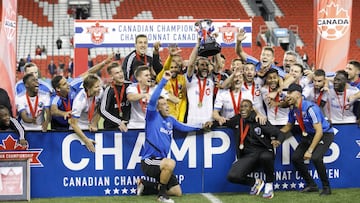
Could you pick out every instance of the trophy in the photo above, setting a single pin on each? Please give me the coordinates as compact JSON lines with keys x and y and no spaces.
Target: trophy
{"x":208,"y":45}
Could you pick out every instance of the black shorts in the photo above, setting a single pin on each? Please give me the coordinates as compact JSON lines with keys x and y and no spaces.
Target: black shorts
{"x":151,"y":167}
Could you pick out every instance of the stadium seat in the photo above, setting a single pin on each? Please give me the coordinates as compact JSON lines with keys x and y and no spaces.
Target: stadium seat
{"x":49,"y":20}
{"x":301,"y":18}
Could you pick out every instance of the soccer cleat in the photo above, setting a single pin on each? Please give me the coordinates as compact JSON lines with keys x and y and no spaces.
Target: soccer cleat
{"x":165,"y":198}
{"x":311,"y":188}
{"x":268,"y":195}
{"x":257,"y":187}
{"x":325,"y":191}
{"x":140,"y":187}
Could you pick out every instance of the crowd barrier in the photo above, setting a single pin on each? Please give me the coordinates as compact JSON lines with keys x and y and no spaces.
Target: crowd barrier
{"x":61,"y":166}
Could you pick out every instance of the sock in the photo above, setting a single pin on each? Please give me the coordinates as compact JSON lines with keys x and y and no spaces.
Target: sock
{"x":162,"y":189}
{"x":268,"y":187}
{"x":150,"y":188}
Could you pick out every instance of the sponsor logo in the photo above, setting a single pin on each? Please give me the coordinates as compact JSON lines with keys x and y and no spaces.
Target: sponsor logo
{"x":257,"y":130}
{"x":333,"y":22}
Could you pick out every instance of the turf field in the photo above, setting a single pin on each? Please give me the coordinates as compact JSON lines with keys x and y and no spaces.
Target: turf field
{"x":339,"y":195}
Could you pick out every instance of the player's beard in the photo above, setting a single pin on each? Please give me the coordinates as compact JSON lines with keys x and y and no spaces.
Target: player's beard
{"x":174,"y":74}
{"x":203,"y":73}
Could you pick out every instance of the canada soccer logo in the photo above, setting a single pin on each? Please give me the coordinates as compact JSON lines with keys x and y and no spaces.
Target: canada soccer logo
{"x":228,"y":32}
{"x":333,"y":22}
{"x":10,"y":23}
{"x":10,"y":149}
{"x":97,"y":33}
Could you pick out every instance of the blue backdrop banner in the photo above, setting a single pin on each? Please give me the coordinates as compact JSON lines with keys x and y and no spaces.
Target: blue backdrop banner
{"x":61,"y":166}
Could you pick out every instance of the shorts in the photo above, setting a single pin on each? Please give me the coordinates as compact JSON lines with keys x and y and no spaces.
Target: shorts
{"x":151,"y":168}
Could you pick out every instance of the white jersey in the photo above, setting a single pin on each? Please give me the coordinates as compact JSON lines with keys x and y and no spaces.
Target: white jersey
{"x":341,"y":111}
{"x":253,"y":94}
{"x":304,"y":81}
{"x":138,"y":110}
{"x":310,"y":94}
{"x":275,"y":115}
{"x":224,"y":102}
{"x":22,"y":105}
{"x":81,"y":106}
{"x":199,"y":113}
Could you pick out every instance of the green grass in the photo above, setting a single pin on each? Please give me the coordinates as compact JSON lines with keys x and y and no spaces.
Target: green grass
{"x":338,"y":196}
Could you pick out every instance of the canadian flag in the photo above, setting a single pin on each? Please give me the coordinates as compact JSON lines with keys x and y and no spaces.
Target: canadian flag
{"x":8,"y":48}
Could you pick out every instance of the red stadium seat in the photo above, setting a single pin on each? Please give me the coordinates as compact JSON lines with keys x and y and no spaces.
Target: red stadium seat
{"x":175,"y":9}
{"x":303,"y":18}
{"x":33,"y":12}
{"x":172,"y":9}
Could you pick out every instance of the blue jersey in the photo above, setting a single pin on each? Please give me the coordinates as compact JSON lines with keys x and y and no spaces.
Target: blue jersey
{"x":77,"y":84}
{"x":58,"y":122}
{"x":311,"y":114}
{"x":61,"y":102}
{"x":356,"y":83}
{"x":159,"y":129}
{"x":257,"y":64}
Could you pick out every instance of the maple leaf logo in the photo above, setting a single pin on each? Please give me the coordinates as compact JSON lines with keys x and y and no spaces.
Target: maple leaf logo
{"x":333,"y":22}
{"x":10,"y":149}
{"x":10,"y":144}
